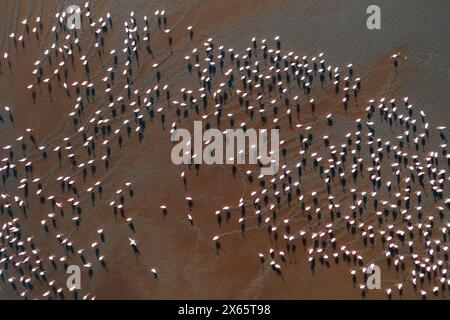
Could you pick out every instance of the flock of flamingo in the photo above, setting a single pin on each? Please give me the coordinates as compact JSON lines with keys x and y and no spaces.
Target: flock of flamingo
{"x":358,"y":192}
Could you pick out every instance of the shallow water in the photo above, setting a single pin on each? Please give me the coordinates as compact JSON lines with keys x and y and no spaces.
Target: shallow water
{"x":189,"y":264}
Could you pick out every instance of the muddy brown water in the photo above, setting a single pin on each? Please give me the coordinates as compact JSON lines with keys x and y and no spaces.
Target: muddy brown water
{"x":188,"y":263}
